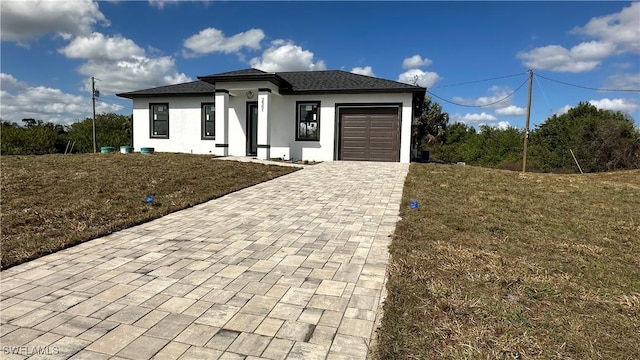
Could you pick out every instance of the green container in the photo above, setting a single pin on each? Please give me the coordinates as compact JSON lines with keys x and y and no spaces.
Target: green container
{"x":107,"y":149}
{"x":126,"y":149}
{"x":147,"y":150}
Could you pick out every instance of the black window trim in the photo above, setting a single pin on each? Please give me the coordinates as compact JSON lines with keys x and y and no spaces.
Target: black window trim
{"x":305,"y":102}
{"x":151,"y":120}
{"x":203,"y":121}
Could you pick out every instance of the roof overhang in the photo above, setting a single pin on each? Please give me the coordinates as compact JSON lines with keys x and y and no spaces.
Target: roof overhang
{"x":134,"y":96}
{"x":270,"y":77}
{"x":350,"y":91}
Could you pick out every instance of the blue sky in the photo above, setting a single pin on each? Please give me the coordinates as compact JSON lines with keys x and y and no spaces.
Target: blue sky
{"x":50,"y":50}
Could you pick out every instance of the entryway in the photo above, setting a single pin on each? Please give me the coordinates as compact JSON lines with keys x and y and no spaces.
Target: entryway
{"x":252,"y":128}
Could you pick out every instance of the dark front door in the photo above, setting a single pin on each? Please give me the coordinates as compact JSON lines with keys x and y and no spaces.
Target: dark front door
{"x":252,"y":128}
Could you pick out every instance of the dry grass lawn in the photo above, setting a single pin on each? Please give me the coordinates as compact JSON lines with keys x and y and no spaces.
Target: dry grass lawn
{"x":502,"y":265}
{"x":52,"y":202}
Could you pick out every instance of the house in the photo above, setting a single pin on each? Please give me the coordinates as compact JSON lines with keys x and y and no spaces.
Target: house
{"x":305,"y":115}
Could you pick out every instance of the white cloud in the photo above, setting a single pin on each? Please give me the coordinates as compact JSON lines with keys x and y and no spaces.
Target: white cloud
{"x":135,"y":73}
{"x":583,"y":57}
{"x":213,"y":40}
{"x":623,"y":81}
{"x":160,"y":4}
{"x":563,"y":110}
{"x":469,"y":118}
{"x":503,"y":125}
{"x":624,"y":105}
{"x":511,"y":110}
{"x":8,"y":82}
{"x":498,"y":98}
{"x":286,"y":56}
{"x":367,"y":70}
{"x":419,"y":77}
{"x":120,"y":64}
{"x":611,"y":34}
{"x":477,"y":120}
{"x":99,"y":47}
{"x":622,"y":29}
{"x":23,"y":21}
{"x":415,"y":61}
{"x":47,"y":104}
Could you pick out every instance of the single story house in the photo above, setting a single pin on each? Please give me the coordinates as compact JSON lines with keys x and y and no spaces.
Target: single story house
{"x":303,"y":115}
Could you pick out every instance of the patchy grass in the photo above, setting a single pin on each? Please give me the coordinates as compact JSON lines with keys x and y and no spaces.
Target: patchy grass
{"x":501,"y":265}
{"x":52,"y":202}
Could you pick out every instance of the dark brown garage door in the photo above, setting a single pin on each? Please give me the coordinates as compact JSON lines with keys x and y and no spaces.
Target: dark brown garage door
{"x":369,"y":134}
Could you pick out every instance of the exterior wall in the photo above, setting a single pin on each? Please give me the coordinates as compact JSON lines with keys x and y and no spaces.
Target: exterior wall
{"x":185,"y":121}
{"x":185,"y":124}
{"x":283,"y":127}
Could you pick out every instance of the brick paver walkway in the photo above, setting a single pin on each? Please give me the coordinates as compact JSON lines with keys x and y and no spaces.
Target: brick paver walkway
{"x":293,"y":268}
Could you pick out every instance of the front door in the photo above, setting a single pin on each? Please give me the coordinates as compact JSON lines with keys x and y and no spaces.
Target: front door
{"x":252,"y":128}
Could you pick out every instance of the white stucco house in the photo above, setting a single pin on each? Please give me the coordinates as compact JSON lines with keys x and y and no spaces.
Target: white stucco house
{"x":304,"y":115}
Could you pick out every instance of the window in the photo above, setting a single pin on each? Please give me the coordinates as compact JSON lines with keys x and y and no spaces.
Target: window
{"x":159,"y":114}
{"x":208,"y":121}
{"x":308,"y":120}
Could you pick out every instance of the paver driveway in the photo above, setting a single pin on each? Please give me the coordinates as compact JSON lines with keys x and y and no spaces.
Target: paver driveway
{"x":292,"y":268}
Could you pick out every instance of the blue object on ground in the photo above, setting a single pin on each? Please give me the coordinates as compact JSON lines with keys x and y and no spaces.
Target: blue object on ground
{"x":414,"y":204}
{"x":150,"y":198}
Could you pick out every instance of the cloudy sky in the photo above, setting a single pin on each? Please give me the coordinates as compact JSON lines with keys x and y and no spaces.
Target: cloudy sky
{"x":472,"y":56}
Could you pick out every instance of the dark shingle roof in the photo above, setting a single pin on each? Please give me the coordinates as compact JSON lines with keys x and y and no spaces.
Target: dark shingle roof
{"x":185,"y":89}
{"x":250,"y":71}
{"x":291,"y":82}
{"x":332,"y":81}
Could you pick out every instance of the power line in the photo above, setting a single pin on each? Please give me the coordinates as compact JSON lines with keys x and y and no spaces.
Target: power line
{"x":478,"y":81}
{"x":545,"y":96}
{"x":479,"y":106}
{"x":113,"y":98}
{"x":586,"y":87}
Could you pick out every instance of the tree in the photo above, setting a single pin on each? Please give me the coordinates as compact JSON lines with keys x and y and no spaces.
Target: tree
{"x":458,"y":144}
{"x":490,"y":146}
{"x":501,"y":147}
{"x":111,"y":130}
{"x":602,"y":140}
{"x":31,"y":122}
{"x":429,"y":125}
{"x":35,"y":138}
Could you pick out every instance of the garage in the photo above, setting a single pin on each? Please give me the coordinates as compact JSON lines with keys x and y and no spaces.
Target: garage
{"x":369,"y":134}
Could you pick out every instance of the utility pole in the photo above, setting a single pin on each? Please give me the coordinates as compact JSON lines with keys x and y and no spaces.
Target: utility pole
{"x":93,"y":97}
{"x":526,"y":125}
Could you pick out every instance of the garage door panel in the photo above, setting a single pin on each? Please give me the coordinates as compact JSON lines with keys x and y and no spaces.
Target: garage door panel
{"x":383,"y":125}
{"x":354,"y":145}
{"x":381,"y":156}
{"x":369,"y":134}
{"x":354,"y":131}
{"x":382,"y":136}
{"x":382,"y":145}
{"x":352,"y":140}
{"x":354,"y":155}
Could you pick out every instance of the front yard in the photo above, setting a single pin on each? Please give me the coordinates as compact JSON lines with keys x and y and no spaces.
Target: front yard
{"x":500,"y":265}
{"x":51,"y":202}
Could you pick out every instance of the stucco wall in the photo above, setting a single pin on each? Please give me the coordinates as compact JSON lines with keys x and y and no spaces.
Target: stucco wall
{"x":185,"y":125}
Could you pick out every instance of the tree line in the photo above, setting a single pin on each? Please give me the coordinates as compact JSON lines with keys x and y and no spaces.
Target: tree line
{"x":35,"y":137}
{"x":601,"y":140}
